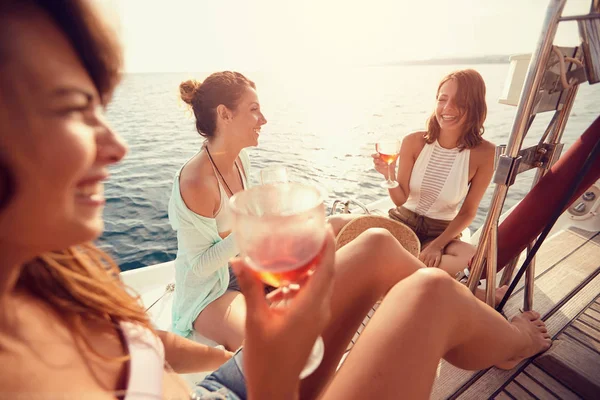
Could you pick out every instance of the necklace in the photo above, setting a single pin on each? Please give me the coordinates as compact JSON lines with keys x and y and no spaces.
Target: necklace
{"x":218,"y":172}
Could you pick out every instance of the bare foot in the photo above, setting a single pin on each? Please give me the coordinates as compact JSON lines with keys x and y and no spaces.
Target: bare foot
{"x":535,"y":336}
{"x":499,"y":295}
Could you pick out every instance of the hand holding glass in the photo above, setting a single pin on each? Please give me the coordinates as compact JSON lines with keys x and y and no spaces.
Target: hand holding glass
{"x":280,"y":231}
{"x":388,"y":152}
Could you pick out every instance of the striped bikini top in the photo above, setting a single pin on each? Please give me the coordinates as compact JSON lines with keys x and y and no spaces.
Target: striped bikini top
{"x":439,"y":182}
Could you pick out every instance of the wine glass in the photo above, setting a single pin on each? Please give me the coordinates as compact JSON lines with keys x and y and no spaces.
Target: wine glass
{"x":276,"y":174}
{"x":388,"y":151}
{"x":280,"y":230}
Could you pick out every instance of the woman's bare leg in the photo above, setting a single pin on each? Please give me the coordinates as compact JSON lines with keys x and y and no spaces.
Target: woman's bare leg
{"x":422,"y":319}
{"x":366,"y":269}
{"x":338,"y":221}
{"x":456,"y":257}
{"x":224,"y":320}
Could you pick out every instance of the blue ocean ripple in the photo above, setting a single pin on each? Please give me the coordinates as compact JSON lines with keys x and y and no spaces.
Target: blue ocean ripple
{"x":324,"y":139}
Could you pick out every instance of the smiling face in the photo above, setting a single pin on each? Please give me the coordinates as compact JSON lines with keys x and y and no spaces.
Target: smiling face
{"x":449,"y":113}
{"x":247,"y":119}
{"x":55,"y":141}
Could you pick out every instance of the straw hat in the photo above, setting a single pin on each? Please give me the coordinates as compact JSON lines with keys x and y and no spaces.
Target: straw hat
{"x":407,"y":238}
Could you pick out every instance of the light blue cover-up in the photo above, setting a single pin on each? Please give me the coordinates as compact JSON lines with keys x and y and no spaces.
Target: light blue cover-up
{"x":201,"y":266}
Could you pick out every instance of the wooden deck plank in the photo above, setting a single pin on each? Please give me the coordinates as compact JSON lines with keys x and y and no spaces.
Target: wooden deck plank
{"x":594,"y":238}
{"x":449,"y":380}
{"x":503,"y":396}
{"x":518,"y":392}
{"x":534,"y":387}
{"x":595,"y":325}
{"x":553,"y":286}
{"x":585,"y":234}
{"x":583,"y":338}
{"x":550,"y":383}
{"x":553,"y":253}
{"x":593,"y":313}
{"x":574,"y":365}
{"x":577,"y":266}
{"x":595,"y":307}
{"x":494,"y":378}
{"x":588,"y":330}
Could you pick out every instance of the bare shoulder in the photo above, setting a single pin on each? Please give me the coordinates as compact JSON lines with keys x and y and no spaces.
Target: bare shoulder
{"x":486,"y":146}
{"x":414,"y":141}
{"x":54,"y":362}
{"x":416,"y":138}
{"x":199,"y":187}
{"x":485,"y":150}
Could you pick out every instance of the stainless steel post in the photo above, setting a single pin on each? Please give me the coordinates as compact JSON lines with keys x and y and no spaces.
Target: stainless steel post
{"x":490,"y":287}
{"x":535,"y":75}
{"x":520,"y":125}
{"x":554,"y":138}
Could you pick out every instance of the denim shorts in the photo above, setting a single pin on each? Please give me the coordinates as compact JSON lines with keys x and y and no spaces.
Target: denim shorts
{"x":235,"y":286}
{"x":226,"y":383}
{"x":233,"y":282}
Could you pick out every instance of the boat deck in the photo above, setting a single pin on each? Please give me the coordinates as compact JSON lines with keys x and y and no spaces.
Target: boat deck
{"x":573,"y":362}
{"x":567,"y":288}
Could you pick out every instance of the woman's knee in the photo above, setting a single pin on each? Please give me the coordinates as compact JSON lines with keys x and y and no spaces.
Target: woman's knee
{"x":370,"y":258}
{"x":386,"y":256}
{"x":461,"y":249}
{"x":378,"y":238}
{"x":431,"y":286}
{"x":339,"y":221}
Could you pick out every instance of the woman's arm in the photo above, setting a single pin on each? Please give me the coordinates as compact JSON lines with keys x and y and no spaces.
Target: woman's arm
{"x":206,"y":250}
{"x":209,"y":252}
{"x":462,"y":220}
{"x":186,"y":356}
{"x":279,"y":339}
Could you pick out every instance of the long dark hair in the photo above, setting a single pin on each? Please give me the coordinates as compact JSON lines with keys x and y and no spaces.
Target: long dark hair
{"x":471,"y":101}
{"x":81,"y":282}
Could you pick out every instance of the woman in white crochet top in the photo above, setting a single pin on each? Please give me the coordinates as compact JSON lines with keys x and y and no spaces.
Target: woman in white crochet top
{"x":70,"y":329}
{"x":443,"y":172}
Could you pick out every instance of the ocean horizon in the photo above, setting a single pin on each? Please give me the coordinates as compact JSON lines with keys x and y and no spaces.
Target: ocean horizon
{"x":322,"y":125}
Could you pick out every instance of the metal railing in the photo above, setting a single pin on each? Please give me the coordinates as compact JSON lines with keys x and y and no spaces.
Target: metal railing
{"x":346,"y":208}
{"x":544,"y":90}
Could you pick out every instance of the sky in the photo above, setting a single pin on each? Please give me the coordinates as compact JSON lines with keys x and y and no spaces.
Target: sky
{"x":207,"y":35}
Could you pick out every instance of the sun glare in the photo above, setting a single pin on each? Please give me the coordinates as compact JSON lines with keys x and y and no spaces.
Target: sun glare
{"x":190,"y":35}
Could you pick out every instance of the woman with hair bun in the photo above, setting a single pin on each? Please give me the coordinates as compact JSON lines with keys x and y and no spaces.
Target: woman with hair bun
{"x":207,"y":297}
{"x":70,"y":329}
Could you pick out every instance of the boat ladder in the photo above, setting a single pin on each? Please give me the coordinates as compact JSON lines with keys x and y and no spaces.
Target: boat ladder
{"x":551,"y":84}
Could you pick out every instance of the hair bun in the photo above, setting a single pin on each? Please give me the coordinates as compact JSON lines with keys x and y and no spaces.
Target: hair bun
{"x":187,"y":90}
